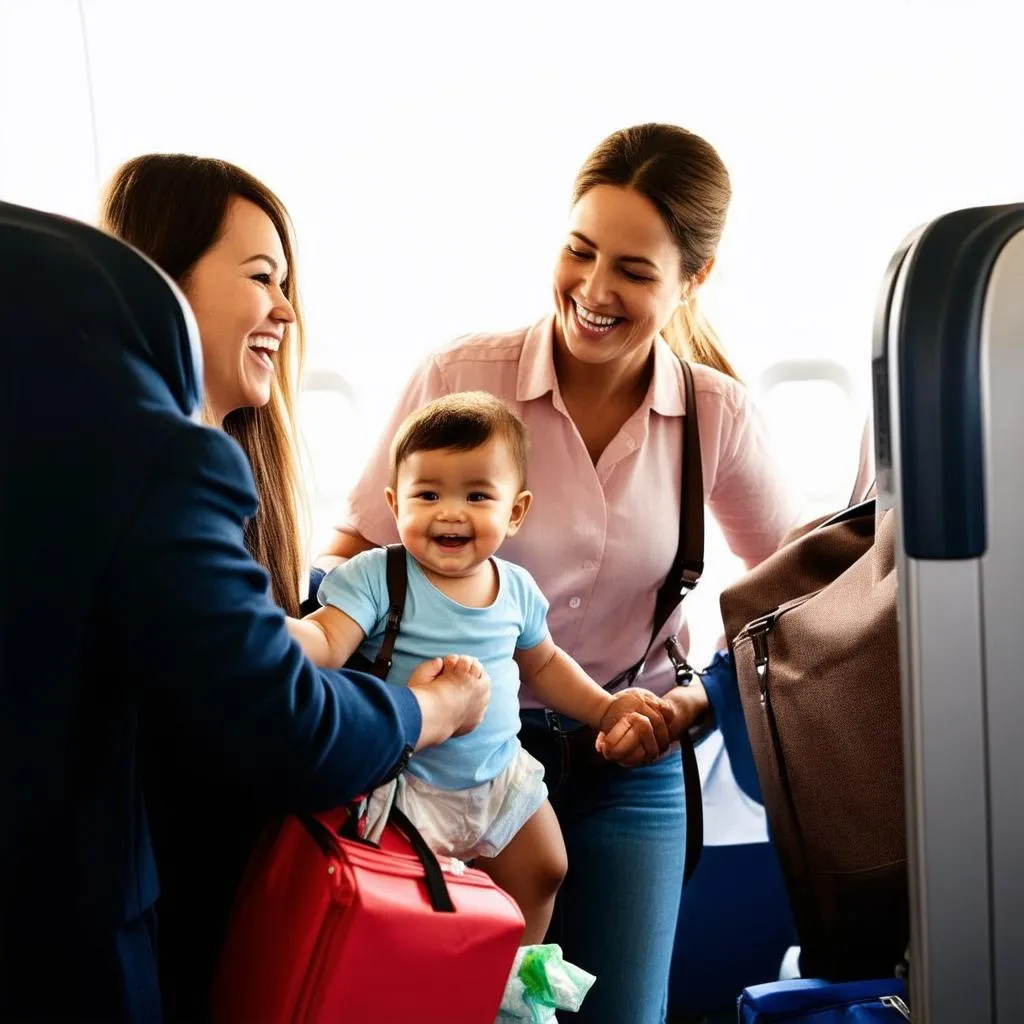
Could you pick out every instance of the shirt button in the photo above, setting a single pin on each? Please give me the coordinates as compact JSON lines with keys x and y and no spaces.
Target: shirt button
{"x":630,"y":443}
{"x":574,"y":602}
{"x":589,"y":564}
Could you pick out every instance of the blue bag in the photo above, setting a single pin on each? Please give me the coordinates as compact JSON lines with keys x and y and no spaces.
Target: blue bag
{"x":812,"y":1001}
{"x":723,"y":691}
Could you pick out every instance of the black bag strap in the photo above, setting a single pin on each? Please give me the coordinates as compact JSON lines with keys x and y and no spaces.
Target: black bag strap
{"x":683,"y":575}
{"x":688,"y":564}
{"x":397,"y":573}
{"x":437,"y":888}
{"x":433,"y":876}
{"x":311,"y":604}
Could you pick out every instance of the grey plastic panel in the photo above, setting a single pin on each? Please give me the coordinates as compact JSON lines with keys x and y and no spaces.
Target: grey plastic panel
{"x":1003,"y":603}
{"x":944,"y":722}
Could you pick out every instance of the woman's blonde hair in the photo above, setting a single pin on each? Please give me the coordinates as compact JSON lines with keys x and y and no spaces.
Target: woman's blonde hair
{"x":684,"y":178}
{"x":172,"y":207}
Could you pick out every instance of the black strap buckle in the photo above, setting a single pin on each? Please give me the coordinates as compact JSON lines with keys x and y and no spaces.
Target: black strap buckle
{"x":683,"y":669}
{"x":690,"y":578}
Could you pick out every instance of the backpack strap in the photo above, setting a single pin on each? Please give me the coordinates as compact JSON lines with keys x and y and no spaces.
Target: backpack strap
{"x":311,"y":604}
{"x":398,"y":582}
{"x":396,"y":573}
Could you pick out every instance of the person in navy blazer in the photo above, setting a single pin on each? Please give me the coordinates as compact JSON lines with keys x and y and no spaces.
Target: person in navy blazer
{"x":123,"y":575}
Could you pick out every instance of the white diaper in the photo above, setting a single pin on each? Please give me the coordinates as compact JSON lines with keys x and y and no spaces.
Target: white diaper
{"x":465,"y":823}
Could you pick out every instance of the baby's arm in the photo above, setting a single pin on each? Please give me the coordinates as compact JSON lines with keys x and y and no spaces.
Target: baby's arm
{"x":559,"y":682}
{"x":556,"y":680}
{"x":328,"y":636}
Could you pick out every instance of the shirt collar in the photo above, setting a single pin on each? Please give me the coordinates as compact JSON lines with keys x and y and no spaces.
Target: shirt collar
{"x":537,"y":362}
{"x":667,"y":399}
{"x":536,"y":375}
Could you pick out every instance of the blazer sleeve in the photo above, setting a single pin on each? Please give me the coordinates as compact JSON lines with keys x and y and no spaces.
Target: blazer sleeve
{"x":192,"y":610}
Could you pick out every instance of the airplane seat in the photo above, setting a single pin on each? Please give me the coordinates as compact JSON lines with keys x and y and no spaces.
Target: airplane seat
{"x":734,"y":922}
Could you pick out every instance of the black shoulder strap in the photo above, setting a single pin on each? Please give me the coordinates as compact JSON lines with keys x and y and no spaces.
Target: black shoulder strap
{"x":688,"y":564}
{"x":311,"y":604}
{"x":398,"y":581}
{"x":686,"y":570}
{"x":396,"y":572}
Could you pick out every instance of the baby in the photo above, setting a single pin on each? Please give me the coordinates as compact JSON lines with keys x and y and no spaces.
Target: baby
{"x":457,"y":490}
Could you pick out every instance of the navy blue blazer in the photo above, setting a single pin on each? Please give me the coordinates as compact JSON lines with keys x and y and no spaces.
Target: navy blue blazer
{"x":123,"y":578}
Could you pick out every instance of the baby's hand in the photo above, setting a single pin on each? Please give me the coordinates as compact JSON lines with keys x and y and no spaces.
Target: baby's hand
{"x":654,"y":711}
{"x":635,"y":727}
{"x":625,"y":743}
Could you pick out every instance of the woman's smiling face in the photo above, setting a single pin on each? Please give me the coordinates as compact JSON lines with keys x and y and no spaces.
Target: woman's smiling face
{"x":235,"y":290}
{"x":619,"y":276}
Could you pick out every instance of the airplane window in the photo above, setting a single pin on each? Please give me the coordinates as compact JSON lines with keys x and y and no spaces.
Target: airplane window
{"x":816,"y":426}
{"x":334,"y":445}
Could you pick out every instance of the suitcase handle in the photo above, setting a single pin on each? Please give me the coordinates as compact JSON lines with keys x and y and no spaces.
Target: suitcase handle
{"x":437,"y":887}
{"x":327,"y":840}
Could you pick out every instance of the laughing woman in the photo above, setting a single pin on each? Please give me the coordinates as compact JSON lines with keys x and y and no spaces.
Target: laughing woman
{"x":225,"y":239}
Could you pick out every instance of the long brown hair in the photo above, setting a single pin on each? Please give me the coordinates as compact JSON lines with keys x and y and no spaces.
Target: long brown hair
{"x":172,"y":207}
{"x":684,"y":178}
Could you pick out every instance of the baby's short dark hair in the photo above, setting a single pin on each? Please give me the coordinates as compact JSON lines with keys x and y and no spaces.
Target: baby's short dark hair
{"x":462,"y":421}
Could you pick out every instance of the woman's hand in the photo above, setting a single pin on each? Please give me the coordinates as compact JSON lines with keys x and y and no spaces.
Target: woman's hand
{"x":689,"y":705}
{"x":635,"y":729}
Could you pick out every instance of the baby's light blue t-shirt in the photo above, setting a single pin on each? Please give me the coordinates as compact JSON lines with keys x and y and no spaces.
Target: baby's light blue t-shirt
{"x":434,"y":625}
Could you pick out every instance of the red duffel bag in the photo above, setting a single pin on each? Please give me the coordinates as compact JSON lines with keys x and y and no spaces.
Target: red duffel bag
{"x":327,"y":927}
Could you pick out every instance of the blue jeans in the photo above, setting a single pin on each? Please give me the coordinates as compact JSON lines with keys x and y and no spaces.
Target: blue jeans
{"x":615,"y":916}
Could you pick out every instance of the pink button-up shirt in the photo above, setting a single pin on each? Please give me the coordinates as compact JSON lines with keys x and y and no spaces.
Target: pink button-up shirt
{"x":599,"y":540}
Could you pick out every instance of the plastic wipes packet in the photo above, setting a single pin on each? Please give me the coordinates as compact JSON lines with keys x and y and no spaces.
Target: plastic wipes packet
{"x":540,"y":983}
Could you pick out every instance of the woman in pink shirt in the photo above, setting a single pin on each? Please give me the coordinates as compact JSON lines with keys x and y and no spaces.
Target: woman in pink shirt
{"x":601,"y":390}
